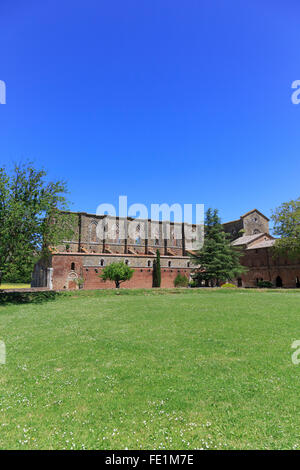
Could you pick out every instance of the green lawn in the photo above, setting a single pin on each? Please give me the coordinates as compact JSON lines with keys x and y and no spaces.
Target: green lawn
{"x":185,"y":370}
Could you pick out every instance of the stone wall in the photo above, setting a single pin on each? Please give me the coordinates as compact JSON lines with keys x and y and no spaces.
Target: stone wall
{"x":251,"y":223}
{"x":163,"y":236}
{"x":255,"y":222}
{"x":68,"y":268}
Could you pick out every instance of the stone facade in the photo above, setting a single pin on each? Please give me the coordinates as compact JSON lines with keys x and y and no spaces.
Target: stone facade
{"x":143,"y":236}
{"x":251,"y":223}
{"x":133,"y":241}
{"x":85,"y":256}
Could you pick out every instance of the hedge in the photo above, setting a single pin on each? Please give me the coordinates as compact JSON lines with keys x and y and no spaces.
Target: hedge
{"x":28,"y":297}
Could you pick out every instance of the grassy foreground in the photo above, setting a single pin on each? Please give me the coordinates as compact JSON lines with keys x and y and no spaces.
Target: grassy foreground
{"x":185,"y":370}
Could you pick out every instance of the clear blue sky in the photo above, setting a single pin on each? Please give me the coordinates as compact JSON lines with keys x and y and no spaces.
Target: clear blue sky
{"x":160,"y":100}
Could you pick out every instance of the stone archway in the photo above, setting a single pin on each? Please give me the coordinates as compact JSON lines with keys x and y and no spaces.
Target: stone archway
{"x":278,"y":282}
{"x":71,"y":281}
{"x":256,"y":277}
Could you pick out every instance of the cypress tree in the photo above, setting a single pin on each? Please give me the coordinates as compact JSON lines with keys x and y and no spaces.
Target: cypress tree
{"x":218,"y":260}
{"x":156,"y":271}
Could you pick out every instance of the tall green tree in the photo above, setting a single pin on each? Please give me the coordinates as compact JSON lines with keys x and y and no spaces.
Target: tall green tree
{"x":117,"y":272}
{"x":217,"y":260}
{"x":30,"y":218}
{"x":156,"y":271}
{"x":286,"y":220}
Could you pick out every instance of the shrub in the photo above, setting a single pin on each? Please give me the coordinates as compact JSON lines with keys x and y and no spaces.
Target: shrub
{"x":181,"y":281}
{"x":264,"y":284}
{"x":228,"y":285}
{"x":80,"y":282}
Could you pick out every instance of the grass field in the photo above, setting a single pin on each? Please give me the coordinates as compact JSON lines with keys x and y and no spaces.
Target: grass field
{"x":185,"y":370}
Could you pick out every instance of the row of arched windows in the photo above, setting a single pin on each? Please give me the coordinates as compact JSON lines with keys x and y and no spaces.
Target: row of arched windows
{"x":149,"y":264}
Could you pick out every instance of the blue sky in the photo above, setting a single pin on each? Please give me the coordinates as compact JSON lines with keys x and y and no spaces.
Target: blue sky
{"x":161,"y":100}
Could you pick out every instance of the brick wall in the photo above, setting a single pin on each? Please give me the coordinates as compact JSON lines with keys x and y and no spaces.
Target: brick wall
{"x":263,"y":266}
{"x":67,"y":268}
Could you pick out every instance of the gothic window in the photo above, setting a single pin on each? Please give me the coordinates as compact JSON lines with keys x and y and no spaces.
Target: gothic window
{"x":102,"y":262}
{"x":126,"y":261}
{"x":169,"y":264}
{"x":149,"y":263}
{"x":72,"y":266}
{"x":93,"y":232}
{"x":172,"y":237}
{"x":117,"y":233}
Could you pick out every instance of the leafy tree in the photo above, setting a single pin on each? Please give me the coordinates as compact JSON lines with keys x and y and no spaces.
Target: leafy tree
{"x":30,"y":219}
{"x":286,"y":220}
{"x":117,"y":272}
{"x":181,"y":281}
{"x":156,"y":271}
{"x":217,"y":260}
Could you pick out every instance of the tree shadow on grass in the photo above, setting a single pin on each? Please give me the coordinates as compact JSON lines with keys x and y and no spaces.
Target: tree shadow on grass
{"x":28,"y":297}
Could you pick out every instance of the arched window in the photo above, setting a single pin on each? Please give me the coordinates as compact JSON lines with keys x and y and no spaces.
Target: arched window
{"x":93,"y":231}
{"x":149,"y":263}
{"x":126,"y":261}
{"x":72,"y":266}
{"x":117,"y":233}
{"x":102,"y":262}
{"x":188,"y":264}
{"x":172,"y":236}
{"x":169,"y":264}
